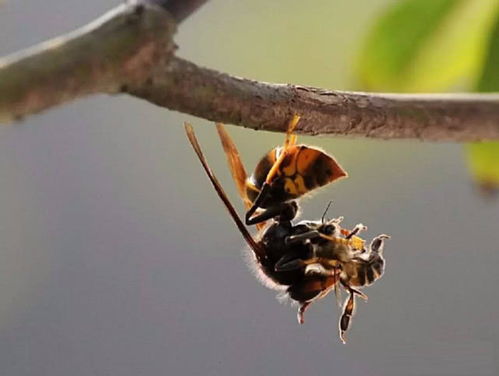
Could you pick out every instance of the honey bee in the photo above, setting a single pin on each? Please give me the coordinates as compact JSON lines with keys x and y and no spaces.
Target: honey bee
{"x":333,"y":254}
{"x":308,"y":260}
{"x":283,"y":175}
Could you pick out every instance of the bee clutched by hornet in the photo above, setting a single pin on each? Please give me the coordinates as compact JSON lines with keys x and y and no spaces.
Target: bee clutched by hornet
{"x":309,"y":259}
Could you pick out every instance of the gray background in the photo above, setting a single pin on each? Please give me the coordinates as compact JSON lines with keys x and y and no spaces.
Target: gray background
{"x":117,"y":258}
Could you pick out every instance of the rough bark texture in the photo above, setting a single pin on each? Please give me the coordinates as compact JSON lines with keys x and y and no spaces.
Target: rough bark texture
{"x":122,"y":47}
{"x":185,"y":87}
{"x":131,"y":48}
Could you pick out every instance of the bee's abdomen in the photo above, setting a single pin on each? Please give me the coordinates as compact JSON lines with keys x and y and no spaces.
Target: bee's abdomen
{"x":365,"y":273}
{"x":311,"y":288}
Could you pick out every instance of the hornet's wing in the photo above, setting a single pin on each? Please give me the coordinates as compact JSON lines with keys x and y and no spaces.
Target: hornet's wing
{"x":257,"y":249}
{"x":235,"y":164}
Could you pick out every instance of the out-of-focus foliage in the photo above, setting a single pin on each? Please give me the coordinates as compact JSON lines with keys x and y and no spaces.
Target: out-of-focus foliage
{"x":427,"y":45}
{"x":489,"y":78}
{"x":484,"y":157}
{"x":484,"y":165}
{"x":439,"y":45}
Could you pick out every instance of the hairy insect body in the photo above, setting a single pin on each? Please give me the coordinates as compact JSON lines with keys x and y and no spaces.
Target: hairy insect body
{"x":276,"y":249}
{"x":305,"y":260}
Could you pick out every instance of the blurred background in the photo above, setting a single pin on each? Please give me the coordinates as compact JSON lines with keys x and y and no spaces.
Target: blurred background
{"x":117,"y":257}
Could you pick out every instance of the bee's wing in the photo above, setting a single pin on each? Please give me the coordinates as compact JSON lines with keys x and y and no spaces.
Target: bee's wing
{"x":235,"y":164}
{"x":257,"y":249}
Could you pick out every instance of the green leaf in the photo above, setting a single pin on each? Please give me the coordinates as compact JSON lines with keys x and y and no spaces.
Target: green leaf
{"x":427,"y":45}
{"x":483,"y":159}
{"x":489,"y":77}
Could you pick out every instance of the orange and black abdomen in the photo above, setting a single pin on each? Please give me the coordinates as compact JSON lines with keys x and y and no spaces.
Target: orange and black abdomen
{"x":256,"y":180}
{"x":302,"y":170}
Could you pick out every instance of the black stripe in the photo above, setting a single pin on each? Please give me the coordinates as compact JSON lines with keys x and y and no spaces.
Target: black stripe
{"x":378,"y":267}
{"x":370,"y":275}
{"x":361,"y":274}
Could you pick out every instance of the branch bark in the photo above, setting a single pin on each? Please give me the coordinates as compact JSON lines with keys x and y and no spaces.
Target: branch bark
{"x":131,"y":48}
{"x":120,"y":48}
{"x":188,"y":88}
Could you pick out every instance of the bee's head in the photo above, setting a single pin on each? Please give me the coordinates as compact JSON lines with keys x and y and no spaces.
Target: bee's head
{"x":331,"y":227}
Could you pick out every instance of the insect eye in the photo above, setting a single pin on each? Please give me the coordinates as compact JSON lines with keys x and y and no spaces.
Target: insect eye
{"x":328,"y":230}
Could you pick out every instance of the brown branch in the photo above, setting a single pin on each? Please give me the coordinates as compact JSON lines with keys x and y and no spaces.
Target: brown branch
{"x":185,"y":87}
{"x":130,"y":50}
{"x":119,"y":48}
{"x":180,"y":9}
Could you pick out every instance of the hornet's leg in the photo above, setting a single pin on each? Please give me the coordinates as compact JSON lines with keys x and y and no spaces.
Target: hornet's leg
{"x":301,"y":311}
{"x":294,"y":239}
{"x":289,"y":262}
{"x":256,"y":204}
{"x":291,"y":138}
{"x":285,"y":210}
{"x":308,"y":290}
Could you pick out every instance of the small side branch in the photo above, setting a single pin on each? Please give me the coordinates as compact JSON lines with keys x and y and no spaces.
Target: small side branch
{"x":188,"y":88}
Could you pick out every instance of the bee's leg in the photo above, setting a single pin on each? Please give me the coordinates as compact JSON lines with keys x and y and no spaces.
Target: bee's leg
{"x":358,"y":228}
{"x":378,"y":243}
{"x":301,"y":311}
{"x":354,"y":290}
{"x":314,"y":266}
{"x":294,"y":239}
{"x":346,"y":317}
{"x":318,"y":269}
{"x":359,"y":293}
{"x":306,"y":291}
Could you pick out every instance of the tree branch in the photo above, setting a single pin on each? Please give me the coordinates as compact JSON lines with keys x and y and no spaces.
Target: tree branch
{"x":130,"y":50}
{"x":180,"y":9}
{"x":121,"y":47}
{"x":188,"y":88}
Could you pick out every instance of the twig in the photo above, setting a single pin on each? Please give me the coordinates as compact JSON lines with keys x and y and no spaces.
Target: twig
{"x":131,"y":48}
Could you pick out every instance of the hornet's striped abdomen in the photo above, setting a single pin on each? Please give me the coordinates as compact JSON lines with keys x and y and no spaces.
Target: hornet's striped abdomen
{"x":302,"y":170}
